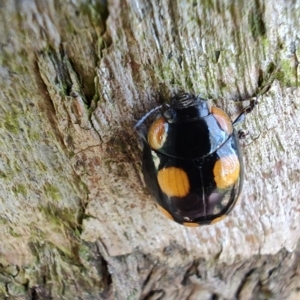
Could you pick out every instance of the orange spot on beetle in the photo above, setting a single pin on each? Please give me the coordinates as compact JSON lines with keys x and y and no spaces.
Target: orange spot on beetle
{"x":216,"y":220}
{"x":173,"y":181}
{"x":157,"y":133}
{"x":165,"y":212}
{"x":187,"y":224}
{"x":222,"y":118}
{"x":226,"y":171}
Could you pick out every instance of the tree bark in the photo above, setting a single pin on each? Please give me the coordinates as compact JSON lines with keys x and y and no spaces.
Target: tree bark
{"x":76,"y":221}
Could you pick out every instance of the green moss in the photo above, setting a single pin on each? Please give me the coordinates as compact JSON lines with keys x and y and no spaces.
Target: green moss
{"x":265,"y":42}
{"x":77,"y":233}
{"x":11,"y":123}
{"x":15,"y":289}
{"x":103,"y":43}
{"x":232,"y":9}
{"x":287,"y":73}
{"x":3,"y":293}
{"x":33,"y":136}
{"x":52,"y":192}
{"x":37,"y":234}
{"x":58,"y":216}
{"x":189,"y":83}
{"x":3,"y":175}
{"x":133,"y":295}
{"x":97,"y":13}
{"x":20,"y":189}
{"x":42,"y":167}
{"x":84,"y":252}
{"x":13,"y":233}
{"x":166,"y":74}
{"x":257,"y":23}
{"x":209,"y":4}
{"x":41,"y":237}
{"x":286,"y":66}
{"x":17,"y":167}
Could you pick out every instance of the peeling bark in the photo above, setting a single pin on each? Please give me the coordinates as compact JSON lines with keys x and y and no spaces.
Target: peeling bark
{"x":76,"y":221}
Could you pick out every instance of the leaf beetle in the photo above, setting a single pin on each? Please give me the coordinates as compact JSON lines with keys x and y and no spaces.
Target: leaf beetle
{"x":192,"y":162}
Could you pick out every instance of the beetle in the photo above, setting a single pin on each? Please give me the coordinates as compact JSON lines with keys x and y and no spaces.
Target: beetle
{"x":192,"y":162}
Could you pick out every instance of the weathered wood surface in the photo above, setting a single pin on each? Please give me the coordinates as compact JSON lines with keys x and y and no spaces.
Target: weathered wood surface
{"x":76,"y":221}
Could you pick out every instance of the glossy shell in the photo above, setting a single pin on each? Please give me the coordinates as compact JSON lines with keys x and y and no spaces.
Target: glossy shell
{"x":192,"y":163}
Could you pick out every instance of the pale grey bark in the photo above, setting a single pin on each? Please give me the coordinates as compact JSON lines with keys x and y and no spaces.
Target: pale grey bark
{"x":76,"y":221}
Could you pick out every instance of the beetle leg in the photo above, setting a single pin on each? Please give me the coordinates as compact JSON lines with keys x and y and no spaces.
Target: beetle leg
{"x":141,"y":128}
{"x":246,"y":110}
{"x":142,"y":120}
{"x":242,"y":134}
